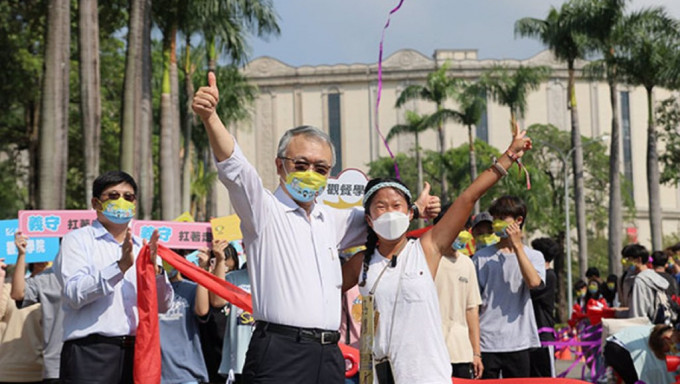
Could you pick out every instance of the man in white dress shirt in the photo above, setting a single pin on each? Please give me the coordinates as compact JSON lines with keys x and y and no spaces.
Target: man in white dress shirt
{"x":96,"y":270}
{"x":292,"y":246}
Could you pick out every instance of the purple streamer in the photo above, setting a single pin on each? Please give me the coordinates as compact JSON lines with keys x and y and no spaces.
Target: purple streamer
{"x":377,"y":101}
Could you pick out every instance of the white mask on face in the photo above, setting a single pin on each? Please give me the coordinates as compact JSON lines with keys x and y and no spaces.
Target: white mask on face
{"x":391,"y":225}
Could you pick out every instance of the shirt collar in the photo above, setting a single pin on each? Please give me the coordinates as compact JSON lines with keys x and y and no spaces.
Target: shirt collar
{"x":291,"y":205}
{"x":100,"y":231}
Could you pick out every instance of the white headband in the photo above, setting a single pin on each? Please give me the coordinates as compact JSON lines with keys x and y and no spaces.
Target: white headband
{"x":384,"y":184}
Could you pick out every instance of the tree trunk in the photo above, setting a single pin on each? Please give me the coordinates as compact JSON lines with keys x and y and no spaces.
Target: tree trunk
{"x":442,"y":153}
{"x":132,"y":88}
{"x":54,"y":115}
{"x":169,"y":192}
{"x":210,"y":209}
{"x":561,"y":310}
{"x":90,"y":99}
{"x":188,"y":124}
{"x":419,"y":165}
{"x":32,"y":118}
{"x":473,"y":163}
{"x":577,"y":164}
{"x":145,"y":119}
{"x":653,"y":178}
{"x":176,"y":122}
{"x":615,"y":205}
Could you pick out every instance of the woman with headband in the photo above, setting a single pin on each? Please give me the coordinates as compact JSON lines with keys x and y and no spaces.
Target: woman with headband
{"x":397,"y":274}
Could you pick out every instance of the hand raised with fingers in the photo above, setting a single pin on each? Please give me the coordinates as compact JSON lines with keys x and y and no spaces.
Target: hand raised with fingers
{"x":218,"y":247}
{"x":204,"y":258}
{"x":515,"y":234}
{"x":127,"y":258}
{"x":206,"y":98}
{"x":520,"y":144}
{"x":20,"y":241}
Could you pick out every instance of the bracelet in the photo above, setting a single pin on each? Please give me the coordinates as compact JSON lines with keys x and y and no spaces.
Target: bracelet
{"x":416,"y":212}
{"x":499,"y":168}
{"x":512,"y":155}
{"x":477,"y":355}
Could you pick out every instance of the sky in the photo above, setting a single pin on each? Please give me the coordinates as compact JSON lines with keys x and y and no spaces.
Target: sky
{"x":315,"y":32}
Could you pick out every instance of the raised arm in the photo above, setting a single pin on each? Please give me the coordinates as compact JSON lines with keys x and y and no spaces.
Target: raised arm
{"x":436,"y":241}
{"x":529,"y":273}
{"x":202,"y":304}
{"x":220,"y":270}
{"x":19,"y":275}
{"x":205,"y":106}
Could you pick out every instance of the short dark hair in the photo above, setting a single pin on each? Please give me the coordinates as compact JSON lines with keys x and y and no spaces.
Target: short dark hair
{"x":110,"y":178}
{"x":635,"y":251}
{"x":659,"y":258}
{"x":580,"y":284}
{"x":612,"y":278}
{"x":548,"y":247}
{"x":675,"y":248}
{"x":592,"y":271}
{"x":511,"y":206}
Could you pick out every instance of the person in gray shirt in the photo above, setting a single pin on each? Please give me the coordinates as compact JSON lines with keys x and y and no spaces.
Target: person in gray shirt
{"x":41,"y":287}
{"x":506,"y":272}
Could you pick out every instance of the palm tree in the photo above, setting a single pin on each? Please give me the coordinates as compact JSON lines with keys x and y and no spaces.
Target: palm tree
{"x":511,"y":88}
{"x":560,"y":32}
{"x":136,"y":114}
{"x":90,"y":100}
{"x":646,"y":59}
{"x":602,"y":23}
{"x":415,"y":125}
{"x":472,"y":104}
{"x":54,"y":108}
{"x":438,"y":87}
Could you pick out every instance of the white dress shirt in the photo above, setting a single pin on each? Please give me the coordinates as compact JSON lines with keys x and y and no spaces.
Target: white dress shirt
{"x":96,"y":296}
{"x":295,"y":272}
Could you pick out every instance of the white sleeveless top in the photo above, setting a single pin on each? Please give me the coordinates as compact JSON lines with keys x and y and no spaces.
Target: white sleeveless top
{"x":408,"y":331}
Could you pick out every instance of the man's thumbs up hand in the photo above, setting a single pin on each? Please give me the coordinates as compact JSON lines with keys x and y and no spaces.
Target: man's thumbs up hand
{"x":206,"y":99}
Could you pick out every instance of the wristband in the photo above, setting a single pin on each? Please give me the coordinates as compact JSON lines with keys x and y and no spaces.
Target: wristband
{"x":477,"y":355}
{"x":499,"y":168}
{"x":512,"y":155}
{"x":416,"y":212}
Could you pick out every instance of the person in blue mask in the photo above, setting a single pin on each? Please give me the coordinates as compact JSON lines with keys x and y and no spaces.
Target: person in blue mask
{"x":95,"y":268}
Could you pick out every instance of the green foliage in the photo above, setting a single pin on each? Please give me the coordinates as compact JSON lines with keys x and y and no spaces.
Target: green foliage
{"x":545,"y":199}
{"x":511,"y":87}
{"x":668,"y":118}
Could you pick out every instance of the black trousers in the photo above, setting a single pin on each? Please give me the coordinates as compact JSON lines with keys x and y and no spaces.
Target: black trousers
{"x":510,"y":364}
{"x":541,"y":363}
{"x":276,"y":358}
{"x":96,"y":360}
{"x":462,"y":370}
{"x":619,"y":358}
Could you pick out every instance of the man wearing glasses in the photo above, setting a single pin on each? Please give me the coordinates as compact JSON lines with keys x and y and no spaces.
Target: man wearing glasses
{"x":292,"y":246}
{"x":95,"y":268}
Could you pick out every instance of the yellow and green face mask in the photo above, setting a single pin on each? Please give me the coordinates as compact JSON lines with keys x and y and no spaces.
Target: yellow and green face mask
{"x":118,"y":211}
{"x":305,"y":186}
{"x":463,"y":243}
{"x":486,"y":240}
{"x":500,"y":228}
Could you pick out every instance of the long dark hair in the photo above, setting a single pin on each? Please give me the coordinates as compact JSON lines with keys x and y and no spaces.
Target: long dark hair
{"x":371,"y":237}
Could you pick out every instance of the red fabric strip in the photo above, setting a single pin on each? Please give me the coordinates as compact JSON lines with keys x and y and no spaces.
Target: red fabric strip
{"x":147,"y":363}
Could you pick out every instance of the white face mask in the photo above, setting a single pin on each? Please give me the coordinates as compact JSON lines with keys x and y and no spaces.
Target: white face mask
{"x":391,"y":225}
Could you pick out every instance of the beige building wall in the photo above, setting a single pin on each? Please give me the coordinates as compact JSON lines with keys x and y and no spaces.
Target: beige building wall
{"x":291,"y":96}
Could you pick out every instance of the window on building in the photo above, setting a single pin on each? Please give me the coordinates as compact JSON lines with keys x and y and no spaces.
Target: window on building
{"x":334,"y":129}
{"x":482,"y":130}
{"x":627,"y":147}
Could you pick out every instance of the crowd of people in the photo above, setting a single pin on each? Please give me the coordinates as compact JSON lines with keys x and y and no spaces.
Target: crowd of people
{"x":433,"y":306}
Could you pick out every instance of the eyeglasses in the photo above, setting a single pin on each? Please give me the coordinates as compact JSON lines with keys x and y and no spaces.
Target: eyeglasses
{"x":300,"y":164}
{"x":115,"y":195}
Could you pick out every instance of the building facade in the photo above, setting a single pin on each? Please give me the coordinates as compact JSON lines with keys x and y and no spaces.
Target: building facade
{"x":341,"y":99}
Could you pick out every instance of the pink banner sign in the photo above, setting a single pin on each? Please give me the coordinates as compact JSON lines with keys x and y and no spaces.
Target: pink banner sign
{"x":53,"y":223}
{"x":175,"y":234}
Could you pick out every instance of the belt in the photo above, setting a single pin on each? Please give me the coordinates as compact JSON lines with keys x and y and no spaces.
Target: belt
{"x":121,"y":341}
{"x":314,"y":334}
